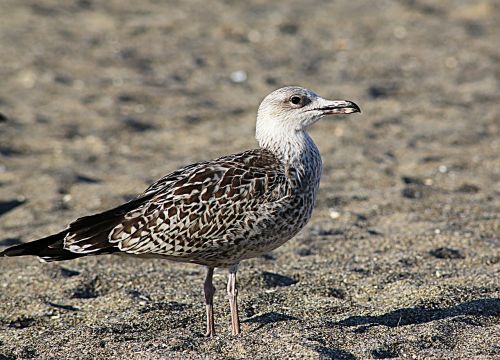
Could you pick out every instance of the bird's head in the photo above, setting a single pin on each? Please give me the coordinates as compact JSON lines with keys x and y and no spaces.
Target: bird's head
{"x":293,"y":109}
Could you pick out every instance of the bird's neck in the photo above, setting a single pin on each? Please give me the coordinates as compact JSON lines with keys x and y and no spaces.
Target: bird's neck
{"x":297,"y":150}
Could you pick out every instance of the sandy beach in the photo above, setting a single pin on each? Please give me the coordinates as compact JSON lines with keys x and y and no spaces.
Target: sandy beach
{"x":401,"y":258}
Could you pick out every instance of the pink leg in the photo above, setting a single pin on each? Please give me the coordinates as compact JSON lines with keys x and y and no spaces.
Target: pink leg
{"x":209,"y":290}
{"x":232,"y":294}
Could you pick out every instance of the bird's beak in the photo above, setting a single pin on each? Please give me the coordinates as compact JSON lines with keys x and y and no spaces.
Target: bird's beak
{"x":332,"y":107}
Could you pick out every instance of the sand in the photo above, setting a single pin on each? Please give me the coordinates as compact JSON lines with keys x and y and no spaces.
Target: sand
{"x":401,"y":257}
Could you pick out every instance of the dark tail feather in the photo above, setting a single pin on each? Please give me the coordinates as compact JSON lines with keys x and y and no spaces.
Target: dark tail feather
{"x":92,"y":229}
{"x":49,"y":248}
{"x":34,"y":247}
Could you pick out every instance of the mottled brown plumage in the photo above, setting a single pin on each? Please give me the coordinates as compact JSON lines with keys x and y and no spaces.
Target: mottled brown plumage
{"x":215,"y":213}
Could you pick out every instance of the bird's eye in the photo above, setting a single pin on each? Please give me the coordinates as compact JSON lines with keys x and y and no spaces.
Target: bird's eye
{"x":296,"y":100}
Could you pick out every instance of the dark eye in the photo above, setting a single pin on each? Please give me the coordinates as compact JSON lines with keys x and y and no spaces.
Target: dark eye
{"x":296,"y":100}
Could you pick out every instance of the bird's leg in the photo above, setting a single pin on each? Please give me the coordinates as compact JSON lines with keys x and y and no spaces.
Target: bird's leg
{"x":209,"y":290}
{"x":232,"y":294}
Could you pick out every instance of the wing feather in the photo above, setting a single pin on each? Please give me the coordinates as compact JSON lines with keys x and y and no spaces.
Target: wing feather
{"x":195,"y":208}
{"x":184,"y":214}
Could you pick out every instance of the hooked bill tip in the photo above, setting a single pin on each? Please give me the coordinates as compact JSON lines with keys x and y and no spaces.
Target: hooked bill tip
{"x":351,"y":108}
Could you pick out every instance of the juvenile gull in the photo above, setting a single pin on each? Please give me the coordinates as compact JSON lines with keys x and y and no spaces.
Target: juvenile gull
{"x":215,"y":213}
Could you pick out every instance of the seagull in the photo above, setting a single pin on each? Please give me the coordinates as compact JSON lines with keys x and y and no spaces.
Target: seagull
{"x":215,"y":213}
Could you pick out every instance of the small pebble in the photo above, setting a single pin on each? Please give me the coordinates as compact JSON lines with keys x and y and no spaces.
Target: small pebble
{"x":238,"y":76}
{"x":334,"y":214}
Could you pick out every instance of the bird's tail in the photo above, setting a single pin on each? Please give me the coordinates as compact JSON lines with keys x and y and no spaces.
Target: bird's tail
{"x":89,"y":233}
{"x":50,"y":248}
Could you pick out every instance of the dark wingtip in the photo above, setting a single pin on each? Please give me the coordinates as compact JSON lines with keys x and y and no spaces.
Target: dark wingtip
{"x":33,"y":248}
{"x":18,"y":250}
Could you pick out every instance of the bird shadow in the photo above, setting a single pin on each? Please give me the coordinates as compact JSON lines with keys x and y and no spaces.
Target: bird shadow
{"x":269,"y":318}
{"x":6,"y":206}
{"x":10,"y":242}
{"x":413,"y":316}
